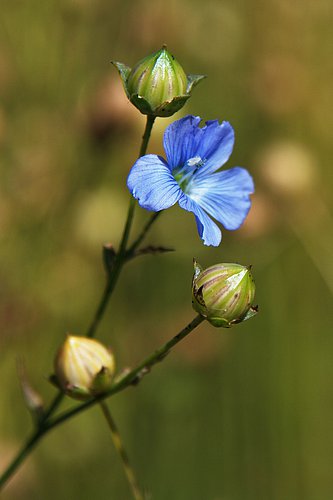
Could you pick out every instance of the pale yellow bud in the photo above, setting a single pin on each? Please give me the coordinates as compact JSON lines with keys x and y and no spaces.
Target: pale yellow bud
{"x":84,"y":367}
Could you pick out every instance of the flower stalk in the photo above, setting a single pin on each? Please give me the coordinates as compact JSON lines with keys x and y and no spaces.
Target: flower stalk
{"x":122,"y":256}
{"x":118,"y":444}
{"x":120,"y":259}
{"x":130,"y":378}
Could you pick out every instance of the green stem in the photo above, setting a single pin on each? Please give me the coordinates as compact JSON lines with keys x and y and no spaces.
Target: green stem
{"x":132,"y":481}
{"x":146,"y":135}
{"x":21,"y":456}
{"x":53,"y":405}
{"x":130,"y":378}
{"x":121,"y":258}
{"x":142,"y":235}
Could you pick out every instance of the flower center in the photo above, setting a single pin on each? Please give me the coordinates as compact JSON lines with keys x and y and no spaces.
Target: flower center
{"x":183,"y":175}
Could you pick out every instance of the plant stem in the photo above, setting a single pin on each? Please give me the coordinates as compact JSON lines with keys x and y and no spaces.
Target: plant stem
{"x":53,"y":405}
{"x":141,"y":236}
{"x":132,"y":377}
{"x":121,"y":258}
{"x":137,"y":495}
{"x":21,"y":456}
{"x":121,"y":255}
{"x":146,"y":135}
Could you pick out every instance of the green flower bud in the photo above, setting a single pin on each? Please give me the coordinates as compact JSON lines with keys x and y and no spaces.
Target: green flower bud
{"x":83,"y":367}
{"x":223,"y":293}
{"x":157,"y":85}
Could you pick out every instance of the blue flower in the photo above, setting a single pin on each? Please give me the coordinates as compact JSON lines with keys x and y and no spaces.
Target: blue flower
{"x":190,"y":177}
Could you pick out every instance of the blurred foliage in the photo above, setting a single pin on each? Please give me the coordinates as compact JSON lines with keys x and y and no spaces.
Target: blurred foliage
{"x":244,"y":414}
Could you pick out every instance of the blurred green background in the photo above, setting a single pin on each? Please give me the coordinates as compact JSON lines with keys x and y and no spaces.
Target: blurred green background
{"x":244,"y":414}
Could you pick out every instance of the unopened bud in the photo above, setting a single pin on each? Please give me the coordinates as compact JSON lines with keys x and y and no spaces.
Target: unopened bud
{"x":109,"y":257}
{"x":157,"y":85}
{"x":32,"y":398}
{"x":223,"y":293}
{"x":84,"y":367}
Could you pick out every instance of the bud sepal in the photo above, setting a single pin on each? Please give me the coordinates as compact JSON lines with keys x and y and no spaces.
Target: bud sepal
{"x":157,"y":85}
{"x":224,"y":293}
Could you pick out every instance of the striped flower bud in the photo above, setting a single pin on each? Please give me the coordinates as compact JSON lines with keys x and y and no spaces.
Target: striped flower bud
{"x":83,"y":367}
{"x":157,"y":85}
{"x":223,"y":293}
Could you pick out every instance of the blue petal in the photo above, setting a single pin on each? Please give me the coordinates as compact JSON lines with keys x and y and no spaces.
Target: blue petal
{"x":152,"y":184}
{"x":181,"y":140}
{"x":216,"y":145}
{"x":207,"y":229}
{"x":225,"y":195}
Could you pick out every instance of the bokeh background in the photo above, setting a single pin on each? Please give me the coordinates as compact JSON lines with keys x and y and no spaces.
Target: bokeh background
{"x":244,"y":414}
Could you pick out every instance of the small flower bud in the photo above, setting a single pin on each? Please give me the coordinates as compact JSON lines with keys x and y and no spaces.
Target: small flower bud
{"x":157,"y":85}
{"x":223,"y":293}
{"x":32,"y":398}
{"x":84,"y":367}
{"x":109,"y":257}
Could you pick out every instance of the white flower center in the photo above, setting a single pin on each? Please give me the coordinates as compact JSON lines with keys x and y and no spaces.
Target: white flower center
{"x":184,"y":174}
{"x":196,"y":161}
